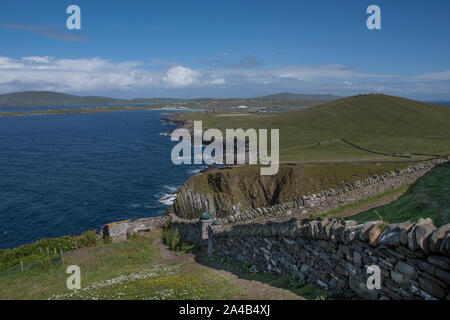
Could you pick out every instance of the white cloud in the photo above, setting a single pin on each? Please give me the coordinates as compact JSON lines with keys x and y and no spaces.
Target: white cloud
{"x":133,"y":78}
{"x":181,"y":77}
{"x":37,"y":59}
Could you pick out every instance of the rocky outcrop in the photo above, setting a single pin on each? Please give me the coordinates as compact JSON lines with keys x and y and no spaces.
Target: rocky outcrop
{"x":234,"y":198}
{"x":222,"y":192}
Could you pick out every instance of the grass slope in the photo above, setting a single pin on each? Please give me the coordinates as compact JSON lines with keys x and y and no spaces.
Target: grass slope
{"x":376,"y":122}
{"x":428,"y":197}
{"x":139,"y":269}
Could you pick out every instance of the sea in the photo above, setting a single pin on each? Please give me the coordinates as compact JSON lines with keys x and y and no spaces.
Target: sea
{"x":67,"y":174}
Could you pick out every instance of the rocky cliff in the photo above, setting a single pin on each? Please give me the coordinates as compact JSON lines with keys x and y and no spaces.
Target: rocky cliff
{"x":224,"y":192}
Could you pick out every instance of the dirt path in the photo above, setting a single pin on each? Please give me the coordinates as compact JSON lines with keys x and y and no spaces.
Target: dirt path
{"x":249,"y":288}
{"x":353,"y":212}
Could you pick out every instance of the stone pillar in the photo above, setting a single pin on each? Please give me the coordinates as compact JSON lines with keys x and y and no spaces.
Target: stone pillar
{"x":204,"y":224}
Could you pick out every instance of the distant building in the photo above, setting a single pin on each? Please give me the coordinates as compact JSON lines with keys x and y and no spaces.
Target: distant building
{"x":242,"y":107}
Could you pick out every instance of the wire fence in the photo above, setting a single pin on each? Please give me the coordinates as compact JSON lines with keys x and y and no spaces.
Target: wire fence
{"x":37,"y":265}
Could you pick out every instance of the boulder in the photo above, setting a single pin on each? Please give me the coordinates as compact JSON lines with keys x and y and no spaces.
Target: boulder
{"x":375,"y":232}
{"x":395,"y":234}
{"x":438,"y":237}
{"x":365,"y":230}
{"x":423,"y":230}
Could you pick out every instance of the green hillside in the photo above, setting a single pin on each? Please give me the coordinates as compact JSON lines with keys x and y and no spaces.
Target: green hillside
{"x":377,"y":122}
{"x":48,"y":98}
{"x":426,"y":198}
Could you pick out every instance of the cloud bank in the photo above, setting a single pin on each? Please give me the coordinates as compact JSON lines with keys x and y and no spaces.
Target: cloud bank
{"x":133,"y":78}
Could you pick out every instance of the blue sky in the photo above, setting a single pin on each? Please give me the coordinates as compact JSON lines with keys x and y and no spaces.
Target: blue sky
{"x":226,"y":48}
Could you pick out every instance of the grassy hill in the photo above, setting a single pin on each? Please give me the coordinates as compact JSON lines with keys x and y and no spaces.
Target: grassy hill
{"x":428,"y":197}
{"x":48,"y":98}
{"x":377,"y":122}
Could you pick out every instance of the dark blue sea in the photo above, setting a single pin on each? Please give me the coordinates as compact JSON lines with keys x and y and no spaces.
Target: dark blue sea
{"x":66,"y":174}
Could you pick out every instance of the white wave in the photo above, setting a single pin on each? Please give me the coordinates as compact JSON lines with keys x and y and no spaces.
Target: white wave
{"x":170,"y":188}
{"x":168,"y":199}
{"x":195,"y":171}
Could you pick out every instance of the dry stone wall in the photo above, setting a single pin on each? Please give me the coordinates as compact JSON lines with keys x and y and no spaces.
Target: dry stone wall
{"x":334,"y":198}
{"x":195,"y":230}
{"x":413,"y":258}
{"x":118,"y":231}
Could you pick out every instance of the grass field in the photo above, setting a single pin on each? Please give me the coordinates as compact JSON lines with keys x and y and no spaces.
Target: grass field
{"x":142,"y":268}
{"x":377,"y":122}
{"x":428,"y":197}
{"x":347,"y":209}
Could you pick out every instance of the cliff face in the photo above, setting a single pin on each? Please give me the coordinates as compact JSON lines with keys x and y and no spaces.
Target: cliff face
{"x":223,"y":192}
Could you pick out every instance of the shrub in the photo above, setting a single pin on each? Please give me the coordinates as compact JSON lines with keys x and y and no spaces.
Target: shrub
{"x":87,"y":239}
{"x":42,"y":249}
{"x":171,"y":238}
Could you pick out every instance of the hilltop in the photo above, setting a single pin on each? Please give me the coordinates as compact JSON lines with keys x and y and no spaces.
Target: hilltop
{"x":376,"y":122}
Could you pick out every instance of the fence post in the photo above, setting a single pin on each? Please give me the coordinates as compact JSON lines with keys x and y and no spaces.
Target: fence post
{"x":47,"y":251}
{"x":54,"y":249}
{"x":62,"y":257}
{"x":21,"y":265}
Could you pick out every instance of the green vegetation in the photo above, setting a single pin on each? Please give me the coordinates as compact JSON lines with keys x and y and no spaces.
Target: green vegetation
{"x":377,"y":122}
{"x":428,"y":197}
{"x":172,"y":239}
{"x":133,"y":269}
{"x":47,"y":98}
{"x":342,"y":211}
{"x":44,"y":249}
{"x":97,"y":263}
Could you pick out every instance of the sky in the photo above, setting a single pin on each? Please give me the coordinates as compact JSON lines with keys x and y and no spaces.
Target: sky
{"x":226,"y":48}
